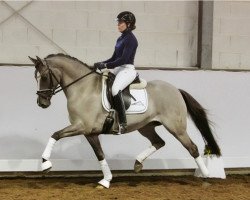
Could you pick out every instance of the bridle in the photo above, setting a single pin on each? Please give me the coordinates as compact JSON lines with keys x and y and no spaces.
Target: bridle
{"x":48,"y":93}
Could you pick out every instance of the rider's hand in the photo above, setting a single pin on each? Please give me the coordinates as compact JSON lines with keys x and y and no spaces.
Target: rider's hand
{"x":99,"y":65}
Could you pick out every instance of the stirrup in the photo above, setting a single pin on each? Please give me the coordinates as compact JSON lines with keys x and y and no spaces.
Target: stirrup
{"x":122,"y":129}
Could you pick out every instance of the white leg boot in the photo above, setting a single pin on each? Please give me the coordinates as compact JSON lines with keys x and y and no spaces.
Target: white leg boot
{"x":46,"y":165}
{"x":146,"y":153}
{"x":202,"y":166}
{"x":107,"y":174}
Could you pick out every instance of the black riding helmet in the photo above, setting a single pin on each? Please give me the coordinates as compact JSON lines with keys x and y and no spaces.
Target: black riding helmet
{"x":128,"y":18}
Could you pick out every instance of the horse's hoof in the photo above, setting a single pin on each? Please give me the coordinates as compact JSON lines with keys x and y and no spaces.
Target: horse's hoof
{"x":104,"y":183}
{"x":138,"y":166}
{"x":46,"y":166}
{"x":99,"y":187}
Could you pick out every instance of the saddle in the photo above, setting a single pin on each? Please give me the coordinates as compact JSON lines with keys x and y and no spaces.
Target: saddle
{"x":125,"y":93}
{"x":110,"y":125}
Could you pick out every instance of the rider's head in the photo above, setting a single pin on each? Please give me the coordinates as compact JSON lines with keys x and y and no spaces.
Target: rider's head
{"x":126,"y":20}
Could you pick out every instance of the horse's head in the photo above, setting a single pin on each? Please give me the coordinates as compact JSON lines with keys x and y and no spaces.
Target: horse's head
{"x":47,"y":79}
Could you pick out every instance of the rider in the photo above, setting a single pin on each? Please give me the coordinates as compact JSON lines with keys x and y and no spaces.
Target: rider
{"x":122,"y":61}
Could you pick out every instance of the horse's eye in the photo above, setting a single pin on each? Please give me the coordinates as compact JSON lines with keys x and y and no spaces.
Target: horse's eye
{"x":44,"y":78}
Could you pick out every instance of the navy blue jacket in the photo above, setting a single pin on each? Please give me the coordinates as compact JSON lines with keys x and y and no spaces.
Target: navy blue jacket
{"x":124,"y":52}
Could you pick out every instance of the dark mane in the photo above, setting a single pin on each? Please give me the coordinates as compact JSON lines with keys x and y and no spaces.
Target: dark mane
{"x":67,"y":56}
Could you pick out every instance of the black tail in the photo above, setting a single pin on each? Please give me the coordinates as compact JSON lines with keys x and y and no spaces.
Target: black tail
{"x":199,"y":117}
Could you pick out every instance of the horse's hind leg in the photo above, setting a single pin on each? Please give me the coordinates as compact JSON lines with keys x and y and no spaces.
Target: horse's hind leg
{"x":180,"y":133}
{"x":149,"y":132}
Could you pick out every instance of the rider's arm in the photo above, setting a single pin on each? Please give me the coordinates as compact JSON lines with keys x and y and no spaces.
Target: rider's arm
{"x":130,"y":47}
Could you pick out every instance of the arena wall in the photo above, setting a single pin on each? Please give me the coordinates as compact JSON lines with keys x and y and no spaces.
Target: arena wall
{"x":25,"y":128}
{"x":231,"y":35}
{"x":166,"y":30}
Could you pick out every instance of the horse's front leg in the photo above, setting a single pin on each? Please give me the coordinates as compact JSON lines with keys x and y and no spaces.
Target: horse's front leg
{"x":95,"y":144}
{"x":72,"y":130}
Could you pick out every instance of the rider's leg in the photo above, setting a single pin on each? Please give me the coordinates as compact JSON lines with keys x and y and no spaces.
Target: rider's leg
{"x":116,"y":70}
{"x":123,"y":78}
{"x":120,"y":107}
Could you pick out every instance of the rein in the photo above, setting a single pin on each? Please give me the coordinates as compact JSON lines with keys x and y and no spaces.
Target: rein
{"x":54,"y":90}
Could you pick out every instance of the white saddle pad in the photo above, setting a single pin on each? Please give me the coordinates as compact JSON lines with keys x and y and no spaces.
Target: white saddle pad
{"x":138,"y":106}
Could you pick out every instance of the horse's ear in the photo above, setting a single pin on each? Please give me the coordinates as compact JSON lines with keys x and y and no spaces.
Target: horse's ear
{"x":33,"y":60}
{"x":40,"y":60}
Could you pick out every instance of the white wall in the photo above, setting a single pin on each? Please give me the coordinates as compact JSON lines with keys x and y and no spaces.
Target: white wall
{"x":166,"y":30}
{"x":25,"y":128}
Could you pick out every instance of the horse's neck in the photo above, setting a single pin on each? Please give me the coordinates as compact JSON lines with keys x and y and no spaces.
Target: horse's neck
{"x":72,"y":71}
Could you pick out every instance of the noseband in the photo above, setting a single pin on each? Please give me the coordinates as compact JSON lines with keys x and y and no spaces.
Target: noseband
{"x":48,"y":93}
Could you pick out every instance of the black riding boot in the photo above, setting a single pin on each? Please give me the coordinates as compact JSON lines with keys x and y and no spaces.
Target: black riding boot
{"x":120,"y":108}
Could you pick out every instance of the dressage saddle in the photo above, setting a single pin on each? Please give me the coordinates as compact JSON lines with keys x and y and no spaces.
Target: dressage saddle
{"x":109,"y":126}
{"x":125,"y":93}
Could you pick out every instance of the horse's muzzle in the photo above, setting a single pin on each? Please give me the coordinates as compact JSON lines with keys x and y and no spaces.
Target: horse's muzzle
{"x":42,"y":102}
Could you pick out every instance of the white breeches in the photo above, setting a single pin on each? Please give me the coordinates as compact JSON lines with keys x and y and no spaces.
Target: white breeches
{"x":125,"y":74}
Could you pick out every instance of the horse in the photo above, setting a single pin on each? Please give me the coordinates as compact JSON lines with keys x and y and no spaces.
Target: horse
{"x":82,"y":86}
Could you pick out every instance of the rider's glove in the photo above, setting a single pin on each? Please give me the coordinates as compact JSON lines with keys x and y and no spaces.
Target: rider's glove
{"x":99,"y":65}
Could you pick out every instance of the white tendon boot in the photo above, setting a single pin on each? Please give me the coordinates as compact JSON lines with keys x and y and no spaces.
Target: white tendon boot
{"x":46,"y":165}
{"x":107,"y":174}
{"x":143,"y":155}
{"x":215,"y":166}
{"x":202,"y":166}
